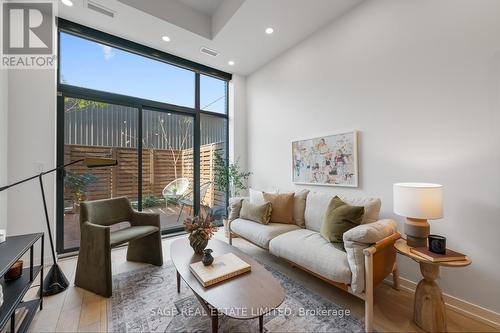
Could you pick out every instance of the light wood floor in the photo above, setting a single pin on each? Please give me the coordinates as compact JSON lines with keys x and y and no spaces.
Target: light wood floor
{"x":76,"y":310}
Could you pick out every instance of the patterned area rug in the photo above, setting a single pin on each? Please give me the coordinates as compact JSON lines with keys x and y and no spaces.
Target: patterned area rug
{"x":146,"y":300}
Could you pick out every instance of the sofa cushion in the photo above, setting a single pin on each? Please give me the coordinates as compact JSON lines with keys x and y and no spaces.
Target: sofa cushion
{"x":127,"y":234}
{"x":311,"y":251}
{"x":299,"y":207}
{"x":317,"y":203}
{"x":260,"y":213}
{"x":282,"y":205}
{"x":339,"y":218}
{"x":234,"y":208}
{"x":257,"y":197}
{"x":260,"y":234}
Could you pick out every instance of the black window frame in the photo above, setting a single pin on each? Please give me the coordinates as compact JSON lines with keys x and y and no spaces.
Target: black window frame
{"x":69,"y":91}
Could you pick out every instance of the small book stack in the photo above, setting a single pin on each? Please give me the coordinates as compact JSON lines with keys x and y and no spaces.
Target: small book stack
{"x":224,"y":267}
{"x":450,"y":255}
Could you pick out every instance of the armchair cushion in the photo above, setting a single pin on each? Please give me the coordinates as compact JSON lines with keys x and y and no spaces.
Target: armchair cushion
{"x":359,"y":238}
{"x":127,"y":234}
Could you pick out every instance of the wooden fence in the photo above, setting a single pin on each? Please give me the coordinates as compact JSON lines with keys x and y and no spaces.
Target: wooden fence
{"x":159,"y":167}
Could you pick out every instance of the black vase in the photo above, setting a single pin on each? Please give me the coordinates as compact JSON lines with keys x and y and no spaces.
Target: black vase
{"x":207,"y":259}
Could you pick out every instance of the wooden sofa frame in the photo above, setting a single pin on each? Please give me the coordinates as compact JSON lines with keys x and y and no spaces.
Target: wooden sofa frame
{"x":380,"y":261}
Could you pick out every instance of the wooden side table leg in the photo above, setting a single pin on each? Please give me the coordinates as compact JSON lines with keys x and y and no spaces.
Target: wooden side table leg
{"x":429,"y":309}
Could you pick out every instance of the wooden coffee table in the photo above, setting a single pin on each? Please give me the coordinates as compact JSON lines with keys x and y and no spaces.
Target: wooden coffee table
{"x":248,"y":296}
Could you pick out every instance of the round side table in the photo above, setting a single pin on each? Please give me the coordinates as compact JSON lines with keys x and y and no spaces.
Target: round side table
{"x":429,"y":311}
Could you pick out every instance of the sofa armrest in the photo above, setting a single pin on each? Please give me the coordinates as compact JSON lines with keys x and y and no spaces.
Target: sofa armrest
{"x":361,"y":238}
{"x":141,"y":218}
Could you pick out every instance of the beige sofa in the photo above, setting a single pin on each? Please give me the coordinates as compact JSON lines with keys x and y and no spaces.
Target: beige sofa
{"x":369,"y":258}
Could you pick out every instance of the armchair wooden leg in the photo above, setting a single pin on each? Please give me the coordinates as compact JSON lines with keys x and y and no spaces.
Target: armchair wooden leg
{"x":369,"y":293}
{"x":395,"y":277}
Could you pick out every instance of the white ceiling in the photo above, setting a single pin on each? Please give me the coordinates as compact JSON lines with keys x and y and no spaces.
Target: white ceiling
{"x":235,"y":28}
{"x":207,"y":7}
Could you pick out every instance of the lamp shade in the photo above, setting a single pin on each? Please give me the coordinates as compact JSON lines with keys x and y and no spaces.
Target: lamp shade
{"x":418,"y":200}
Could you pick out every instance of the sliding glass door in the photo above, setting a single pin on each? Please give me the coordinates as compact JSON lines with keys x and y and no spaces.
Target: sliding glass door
{"x":162,"y":118}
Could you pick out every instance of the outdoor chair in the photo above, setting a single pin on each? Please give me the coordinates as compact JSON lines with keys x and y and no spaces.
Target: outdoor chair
{"x":175,"y":189}
{"x":187,"y":199}
{"x":93,"y":270}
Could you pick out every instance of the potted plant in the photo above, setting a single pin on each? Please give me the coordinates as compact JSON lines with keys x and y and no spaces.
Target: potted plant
{"x":229,"y":178}
{"x":201,"y":229}
{"x":78,"y":184}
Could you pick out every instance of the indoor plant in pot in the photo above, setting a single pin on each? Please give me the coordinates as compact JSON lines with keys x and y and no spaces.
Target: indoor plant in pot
{"x":201,"y":229}
{"x":229,"y":178}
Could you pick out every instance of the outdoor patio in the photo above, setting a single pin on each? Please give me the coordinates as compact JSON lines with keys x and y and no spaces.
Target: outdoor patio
{"x":159,"y":169}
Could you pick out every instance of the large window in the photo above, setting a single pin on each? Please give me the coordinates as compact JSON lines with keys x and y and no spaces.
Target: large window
{"x":163,"y":118}
{"x":88,"y":64}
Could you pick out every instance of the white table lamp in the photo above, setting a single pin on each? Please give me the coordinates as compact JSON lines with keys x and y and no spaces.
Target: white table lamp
{"x":418,"y":202}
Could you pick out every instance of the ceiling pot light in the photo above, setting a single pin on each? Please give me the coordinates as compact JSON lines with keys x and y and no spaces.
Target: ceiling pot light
{"x":68,"y":3}
{"x":231,"y":63}
{"x":269,"y":31}
{"x":166,"y":39}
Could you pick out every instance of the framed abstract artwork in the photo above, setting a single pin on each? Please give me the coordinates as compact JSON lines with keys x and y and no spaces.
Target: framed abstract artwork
{"x":326,"y":160}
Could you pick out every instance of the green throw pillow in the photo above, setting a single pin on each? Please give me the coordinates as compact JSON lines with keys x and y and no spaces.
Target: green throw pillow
{"x":339,"y":218}
{"x":255,"y":212}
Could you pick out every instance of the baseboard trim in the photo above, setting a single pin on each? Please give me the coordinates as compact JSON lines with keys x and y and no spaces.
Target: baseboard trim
{"x":465,"y":308}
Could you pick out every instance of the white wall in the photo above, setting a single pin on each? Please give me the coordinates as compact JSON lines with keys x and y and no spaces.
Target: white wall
{"x":237,"y":121}
{"x":3,"y":144}
{"x":31,"y":137}
{"x":421,"y":81}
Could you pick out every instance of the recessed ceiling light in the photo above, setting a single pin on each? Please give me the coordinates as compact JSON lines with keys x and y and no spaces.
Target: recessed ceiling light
{"x":269,"y":31}
{"x":231,"y":63}
{"x":166,"y":39}
{"x":68,"y":3}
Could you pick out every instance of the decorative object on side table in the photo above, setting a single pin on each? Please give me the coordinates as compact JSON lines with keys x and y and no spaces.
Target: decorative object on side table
{"x":437,"y":244}
{"x":15,"y":271}
{"x":207,"y":259}
{"x":418,"y":202}
{"x":201,"y":229}
{"x":429,"y":311}
{"x":56,"y":282}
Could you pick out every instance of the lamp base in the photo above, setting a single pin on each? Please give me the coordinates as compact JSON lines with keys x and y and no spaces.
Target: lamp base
{"x":55,"y":281}
{"x":416,"y":231}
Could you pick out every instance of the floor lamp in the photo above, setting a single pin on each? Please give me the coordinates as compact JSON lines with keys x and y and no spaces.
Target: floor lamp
{"x":55,"y":282}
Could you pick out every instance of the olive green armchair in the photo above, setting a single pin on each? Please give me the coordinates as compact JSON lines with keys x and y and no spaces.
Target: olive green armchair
{"x":93,"y":270}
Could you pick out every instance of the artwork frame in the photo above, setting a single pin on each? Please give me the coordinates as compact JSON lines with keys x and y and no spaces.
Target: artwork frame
{"x":328,"y":160}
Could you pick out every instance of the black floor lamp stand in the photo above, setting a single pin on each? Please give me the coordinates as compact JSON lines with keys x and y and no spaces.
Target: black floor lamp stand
{"x":55,"y":281}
